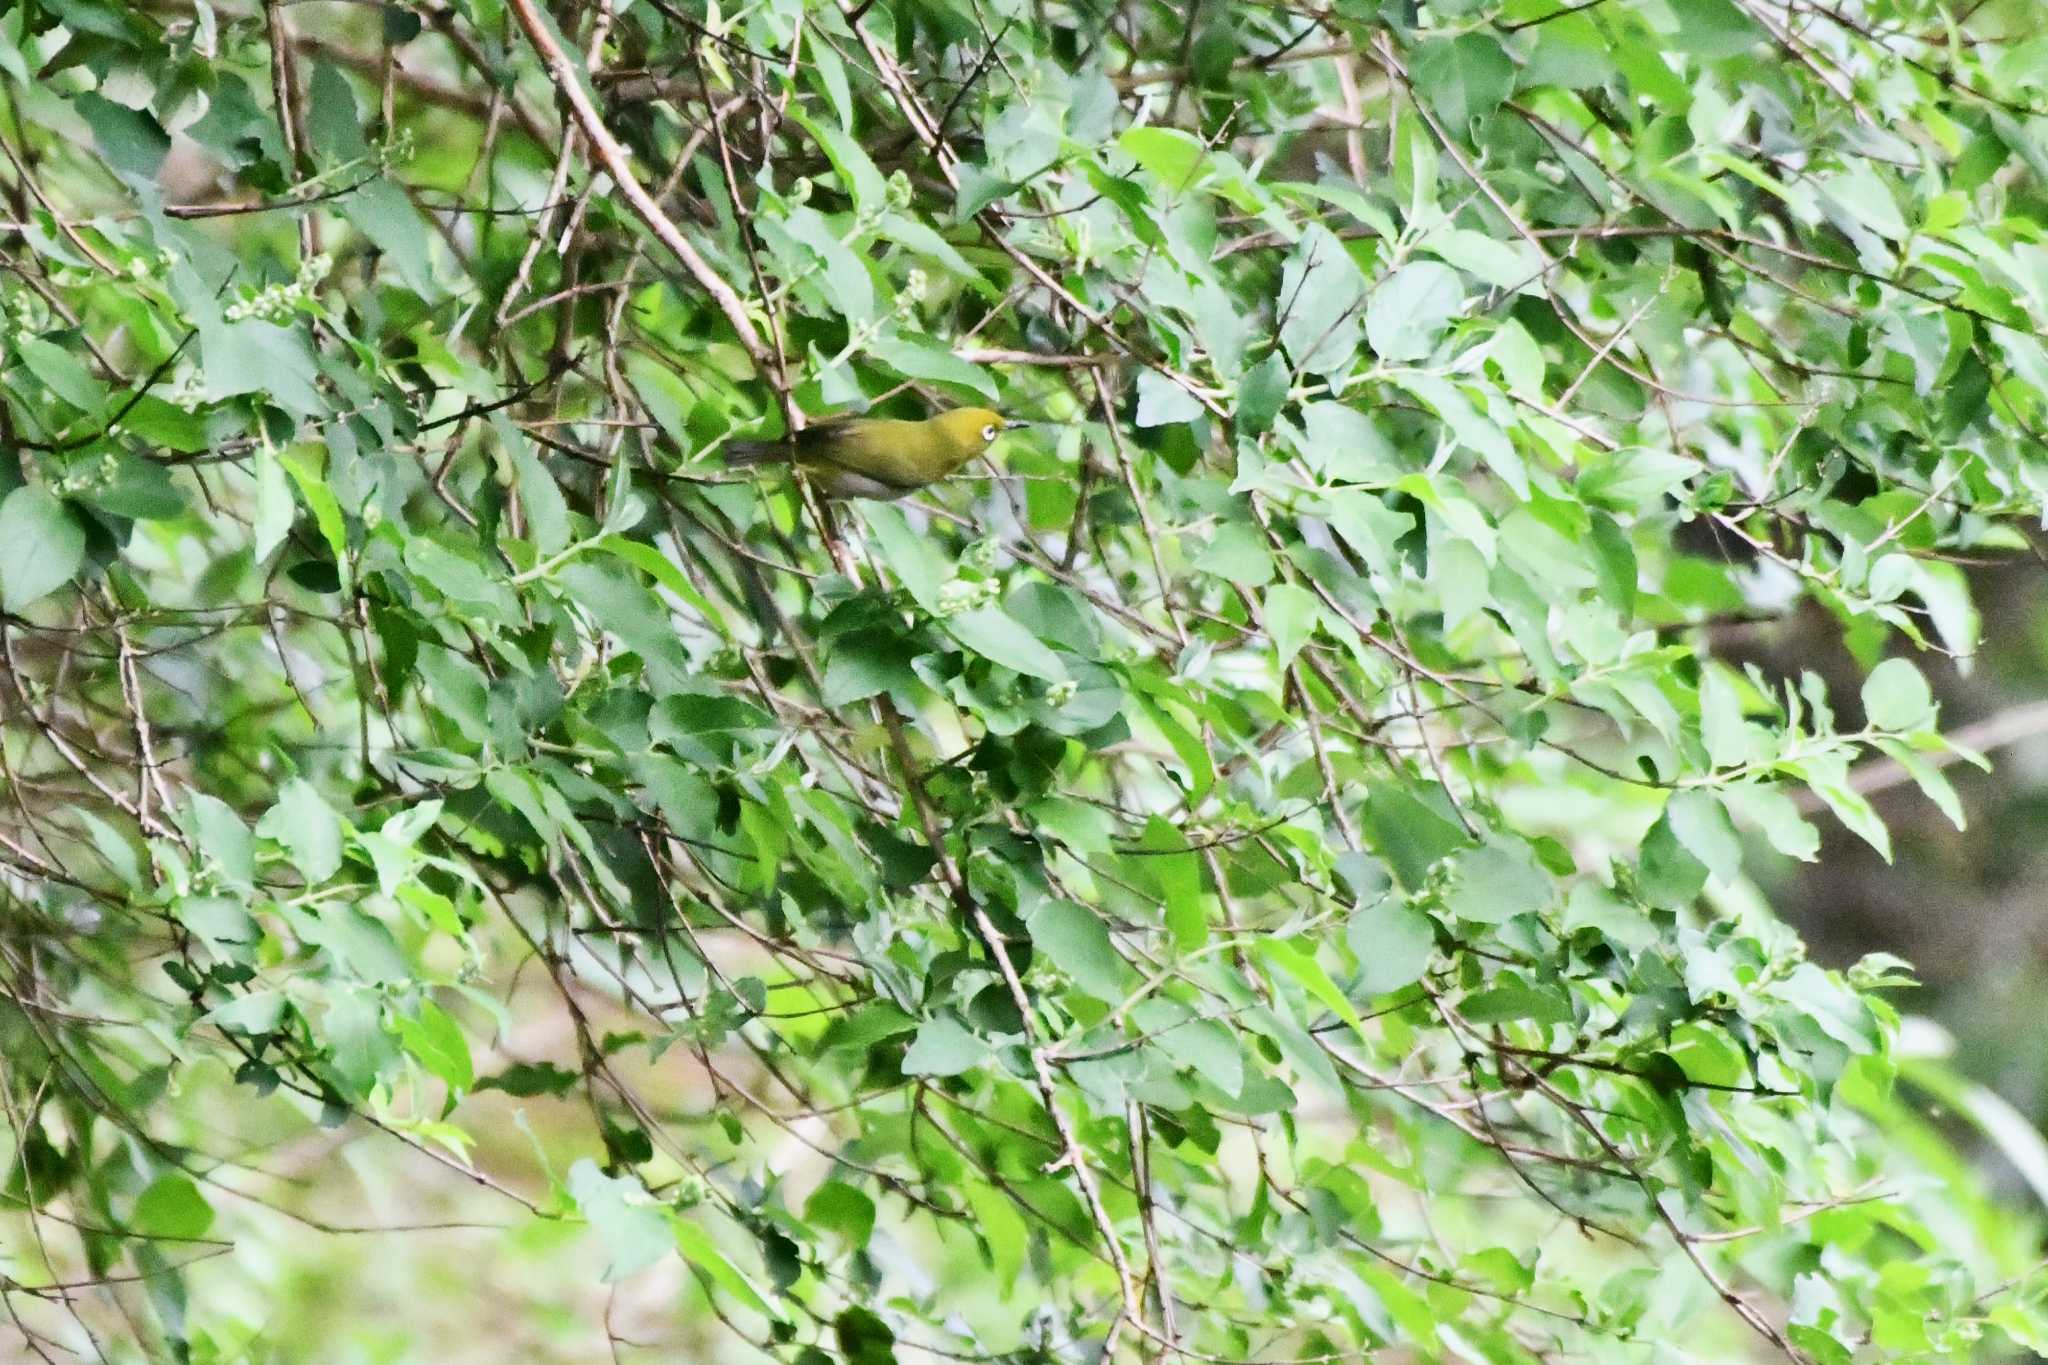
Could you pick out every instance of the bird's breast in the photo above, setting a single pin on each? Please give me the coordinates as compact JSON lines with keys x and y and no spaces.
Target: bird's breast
{"x":838,"y":482}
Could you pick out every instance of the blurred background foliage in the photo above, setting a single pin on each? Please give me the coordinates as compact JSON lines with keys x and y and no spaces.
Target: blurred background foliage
{"x":1391,"y":824}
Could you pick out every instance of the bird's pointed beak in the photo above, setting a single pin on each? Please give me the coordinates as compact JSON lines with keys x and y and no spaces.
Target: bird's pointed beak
{"x":1016,"y":426}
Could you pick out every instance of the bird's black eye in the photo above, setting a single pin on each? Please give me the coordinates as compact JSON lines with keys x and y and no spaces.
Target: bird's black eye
{"x":988,"y":433}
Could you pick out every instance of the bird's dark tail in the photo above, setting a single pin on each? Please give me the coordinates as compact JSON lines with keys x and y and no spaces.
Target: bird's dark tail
{"x":739,"y":454}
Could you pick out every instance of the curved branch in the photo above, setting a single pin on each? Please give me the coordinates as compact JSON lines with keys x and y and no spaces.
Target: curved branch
{"x":619,"y":167}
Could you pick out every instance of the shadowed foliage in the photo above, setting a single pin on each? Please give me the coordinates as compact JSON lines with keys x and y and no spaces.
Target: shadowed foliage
{"x":1262,"y":867}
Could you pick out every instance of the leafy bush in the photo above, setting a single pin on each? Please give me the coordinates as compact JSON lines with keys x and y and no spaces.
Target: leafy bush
{"x":1257,"y":873}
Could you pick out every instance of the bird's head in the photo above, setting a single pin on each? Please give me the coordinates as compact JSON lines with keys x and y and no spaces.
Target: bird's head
{"x":971,"y":429}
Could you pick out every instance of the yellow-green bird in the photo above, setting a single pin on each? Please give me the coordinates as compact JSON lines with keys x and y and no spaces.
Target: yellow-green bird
{"x":877,"y":457}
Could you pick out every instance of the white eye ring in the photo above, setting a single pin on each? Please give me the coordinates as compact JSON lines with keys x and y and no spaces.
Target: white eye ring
{"x":988,"y":433}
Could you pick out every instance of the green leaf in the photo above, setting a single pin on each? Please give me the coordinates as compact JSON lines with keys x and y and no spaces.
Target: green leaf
{"x":840,"y":1208}
{"x":547,"y":516}
{"x":1933,"y":785}
{"x":1260,"y":395}
{"x":380,"y":210}
{"x":173,"y":1208}
{"x":866,"y":1027}
{"x":1292,"y":615}
{"x":1671,"y":876}
{"x":133,"y":143}
{"x":996,"y":636}
{"x":400,"y":25}
{"x":1715,"y":28}
{"x":114,"y":849}
{"x":435,"y":1040}
{"x":925,"y":241}
{"x":1729,"y":740}
{"x":1475,"y":430}
{"x":1002,"y":1229}
{"x":1223,"y":328}
{"x":916,"y":561}
{"x":1509,"y":1004}
{"x":843,"y":278}
{"x":255,"y":356}
{"x":864,"y":1339}
{"x":1410,"y":834}
{"x":458,"y":689}
{"x":1321,"y":297}
{"x":1464,"y":78}
{"x":1343,"y":443}
{"x":41,"y":547}
{"x":1497,"y":881}
{"x":917,"y":358}
{"x":528,"y":1079}
{"x":635,"y":1235}
{"x":1056,"y":614}
{"x":1074,"y":938}
{"x":1504,"y":265}
{"x":463,"y":580}
{"x":1189,"y":749}
{"x":1896,"y":697}
{"x":1238,"y":553}
{"x":662,"y":570}
{"x":1393,"y":944}
{"x":256,"y":1013}
{"x":856,"y":170}
{"x":275,"y":510}
{"x":1854,"y":810}
{"x":1296,"y":957}
{"x":326,"y":511}
{"x":141,"y":490}
{"x":979,"y":189}
{"x":943,"y":1048}
{"x":1161,"y":400}
{"x":1177,"y":874}
{"x":621,"y":606}
{"x":1409,"y":311}
{"x":333,"y":119}
{"x":1170,"y":155}
{"x":862,"y":666}
{"x":63,"y":374}
{"x":223,"y":923}
{"x":1864,"y":200}
{"x":1701,"y":824}
{"x":164,"y":424}
{"x":224,"y":839}
{"x":308,"y":828}
{"x":1204,"y":1046}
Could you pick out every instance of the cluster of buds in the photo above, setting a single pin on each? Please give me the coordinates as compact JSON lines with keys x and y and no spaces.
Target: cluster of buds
{"x":188,"y":391}
{"x":907,"y":299}
{"x":966,"y":594}
{"x":278,"y":302}
{"x":26,"y":314}
{"x":144,"y":265}
{"x":398,"y":149}
{"x":981,"y":555}
{"x":900,"y":192}
{"x":88,"y":476}
{"x":689,"y":1191}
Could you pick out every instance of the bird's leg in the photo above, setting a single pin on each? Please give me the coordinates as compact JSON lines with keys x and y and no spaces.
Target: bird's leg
{"x":835,"y":529}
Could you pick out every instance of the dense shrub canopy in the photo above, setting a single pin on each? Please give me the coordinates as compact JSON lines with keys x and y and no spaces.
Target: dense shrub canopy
{"x":1254,"y":872}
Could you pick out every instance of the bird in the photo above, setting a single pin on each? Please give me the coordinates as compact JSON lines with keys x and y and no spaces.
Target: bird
{"x":876,"y":457}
